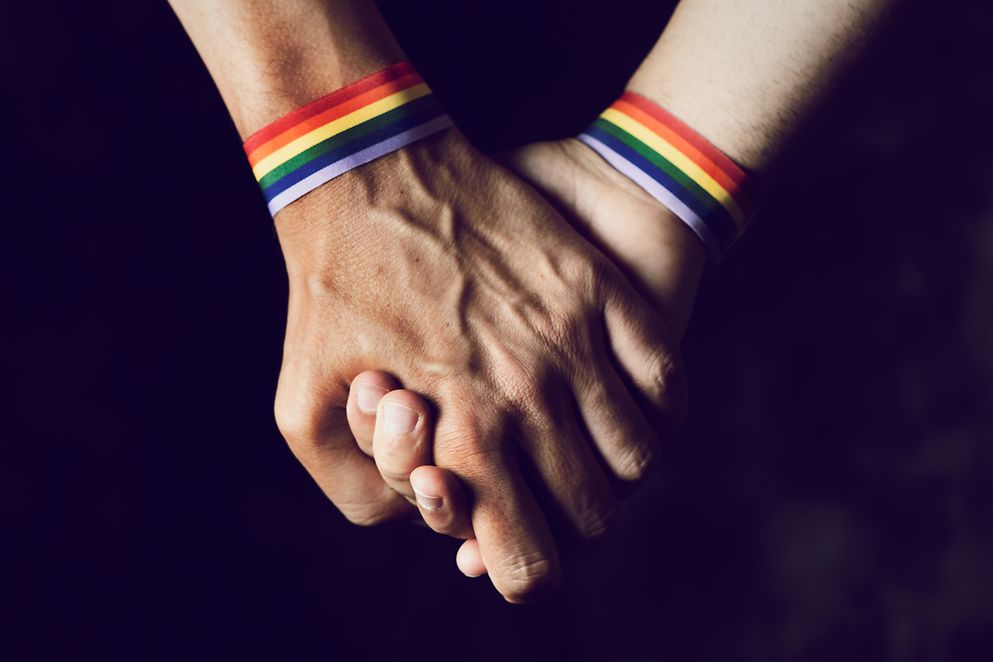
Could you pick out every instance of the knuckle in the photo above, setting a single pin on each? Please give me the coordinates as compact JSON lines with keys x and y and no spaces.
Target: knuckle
{"x":366,"y":515}
{"x":394,"y":474}
{"x":634,"y":464}
{"x":471,"y":453}
{"x":525,"y":394}
{"x":399,"y":454}
{"x":568,"y":336}
{"x":596,"y":525}
{"x":587,"y":273}
{"x":525,"y":389}
{"x":298,"y":421}
{"x":526,"y":577}
{"x":669,"y":383}
{"x":517,"y":380}
{"x":471,"y":444}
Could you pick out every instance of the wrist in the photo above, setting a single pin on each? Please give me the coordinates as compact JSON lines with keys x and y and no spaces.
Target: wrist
{"x":343,"y":130}
{"x":269,"y":57}
{"x":676,"y":166}
{"x":669,"y":232}
{"x":335,"y":218}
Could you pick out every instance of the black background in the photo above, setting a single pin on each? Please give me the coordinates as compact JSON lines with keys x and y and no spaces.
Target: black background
{"x":831,"y":498}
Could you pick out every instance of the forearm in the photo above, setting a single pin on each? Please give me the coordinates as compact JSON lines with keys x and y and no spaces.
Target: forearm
{"x":747,"y":74}
{"x":269,"y":57}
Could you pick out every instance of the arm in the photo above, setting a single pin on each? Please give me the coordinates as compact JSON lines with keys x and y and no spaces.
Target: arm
{"x":269,"y":58}
{"x":749,"y":75}
{"x":437,"y":264}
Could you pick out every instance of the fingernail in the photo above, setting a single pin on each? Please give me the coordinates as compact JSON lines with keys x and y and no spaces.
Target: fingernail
{"x":368,"y":396}
{"x":429,"y":503}
{"x":399,"y":419}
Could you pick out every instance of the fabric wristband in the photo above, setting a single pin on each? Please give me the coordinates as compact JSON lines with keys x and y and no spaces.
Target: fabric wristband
{"x":357,"y":124}
{"x":676,"y":166}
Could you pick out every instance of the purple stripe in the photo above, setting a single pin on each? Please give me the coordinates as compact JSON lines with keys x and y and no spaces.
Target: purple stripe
{"x":659,"y":192}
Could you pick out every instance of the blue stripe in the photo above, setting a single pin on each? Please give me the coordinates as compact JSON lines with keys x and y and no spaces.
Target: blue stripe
{"x":720,"y":223}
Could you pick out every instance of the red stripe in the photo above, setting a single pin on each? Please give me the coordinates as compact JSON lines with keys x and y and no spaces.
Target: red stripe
{"x":333,"y":113}
{"x":732,"y":169}
{"x":372,"y":81}
{"x":686,"y":149}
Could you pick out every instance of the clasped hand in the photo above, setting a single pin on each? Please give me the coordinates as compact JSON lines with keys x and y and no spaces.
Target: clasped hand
{"x":540,"y":350}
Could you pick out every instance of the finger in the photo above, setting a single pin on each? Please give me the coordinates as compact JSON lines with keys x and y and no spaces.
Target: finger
{"x":469,"y":560}
{"x":578,"y":499}
{"x":364,"y":395}
{"x":647,"y":356}
{"x":515,"y":542}
{"x":315,"y":427}
{"x":625,"y":439}
{"x":401,"y":440}
{"x":442,"y":501}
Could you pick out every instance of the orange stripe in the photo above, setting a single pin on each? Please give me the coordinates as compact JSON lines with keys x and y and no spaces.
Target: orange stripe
{"x":719,"y":174}
{"x":269,"y":131}
{"x":331,"y":114}
{"x":686,"y":133}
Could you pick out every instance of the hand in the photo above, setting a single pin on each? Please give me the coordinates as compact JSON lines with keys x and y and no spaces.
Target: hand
{"x":654,"y":248}
{"x":439,"y":264}
{"x":658,"y":253}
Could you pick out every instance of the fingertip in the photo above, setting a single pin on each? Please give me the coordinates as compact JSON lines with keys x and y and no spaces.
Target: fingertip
{"x":402,"y":429}
{"x":409,"y":400}
{"x":401,"y":439}
{"x":374,"y":383}
{"x":469,"y":560}
{"x":430,"y":480}
{"x":441,"y":499}
{"x":364,"y":394}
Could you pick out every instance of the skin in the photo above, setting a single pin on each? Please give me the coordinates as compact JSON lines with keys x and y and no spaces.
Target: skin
{"x":750,"y":77}
{"x":597,"y":200}
{"x":531,"y":351}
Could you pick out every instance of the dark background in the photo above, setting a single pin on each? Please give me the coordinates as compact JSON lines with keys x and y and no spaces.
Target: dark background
{"x":831,"y":498}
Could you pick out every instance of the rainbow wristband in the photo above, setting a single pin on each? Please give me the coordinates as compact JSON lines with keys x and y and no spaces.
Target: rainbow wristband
{"x":676,"y":166}
{"x":341,"y":131}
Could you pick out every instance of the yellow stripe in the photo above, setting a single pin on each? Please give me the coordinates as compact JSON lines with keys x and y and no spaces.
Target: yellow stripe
{"x":678,"y":159}
{"x":308,"y":140}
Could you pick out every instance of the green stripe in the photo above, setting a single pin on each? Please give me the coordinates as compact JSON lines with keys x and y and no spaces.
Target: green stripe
{"x":662,"y":163}
{"x":423,"y":104}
